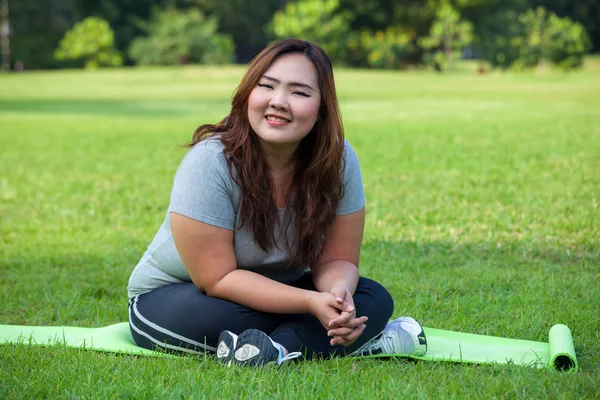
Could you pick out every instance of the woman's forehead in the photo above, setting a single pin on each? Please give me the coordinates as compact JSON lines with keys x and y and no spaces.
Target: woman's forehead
{"x":293,"y":67}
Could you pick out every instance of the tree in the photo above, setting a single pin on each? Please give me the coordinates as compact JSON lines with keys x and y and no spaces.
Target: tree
{"x":318,"y":21}
{"x":38,"y":25}
{"x":568,"y":42}
{"x":386,"y":49}
{"x":4,"y":36}
{"x":92,"y":41}
{"x":244,"y":21}
{"x":181,"y":37}
{"x":536,"y":36}
{"x":585,"y":12}
{"x":448,"y":35}
{"x":412,"y":18}
{"x":36,"y":29}
{"x":547,"y":37}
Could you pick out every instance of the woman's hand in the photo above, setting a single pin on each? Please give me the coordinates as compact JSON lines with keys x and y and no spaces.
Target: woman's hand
{"x":325,"y":307}
{"x":345,"y":328}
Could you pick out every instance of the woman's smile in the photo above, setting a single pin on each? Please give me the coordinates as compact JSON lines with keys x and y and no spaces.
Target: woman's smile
{"x":274,"y":120}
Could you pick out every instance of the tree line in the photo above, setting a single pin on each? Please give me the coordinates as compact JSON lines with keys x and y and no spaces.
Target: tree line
{"x":363,"y":33}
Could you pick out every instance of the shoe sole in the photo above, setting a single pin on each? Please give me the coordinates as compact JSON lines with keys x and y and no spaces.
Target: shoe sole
{"x":226,"y":347}
{"x":255,"y":348}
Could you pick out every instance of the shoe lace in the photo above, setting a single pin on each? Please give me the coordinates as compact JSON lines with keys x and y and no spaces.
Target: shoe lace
{"x":388,"y":342}
{"x":289,"y":356}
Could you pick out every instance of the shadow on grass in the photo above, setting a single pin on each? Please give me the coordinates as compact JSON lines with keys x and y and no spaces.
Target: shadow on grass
{"x":449,"y":254}
{"x":89,"y":262}
{"x":137,"y":108}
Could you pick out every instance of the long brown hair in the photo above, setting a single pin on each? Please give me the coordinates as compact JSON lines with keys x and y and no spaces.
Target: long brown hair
{"x":317,"y":185}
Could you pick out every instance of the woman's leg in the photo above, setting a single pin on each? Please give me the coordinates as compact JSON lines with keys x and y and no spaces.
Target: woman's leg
{"x":304,"y":332}
{"x":179,"y":317}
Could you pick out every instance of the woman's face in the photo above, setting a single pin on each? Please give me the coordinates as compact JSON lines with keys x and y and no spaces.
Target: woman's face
{"x":284,"y":106}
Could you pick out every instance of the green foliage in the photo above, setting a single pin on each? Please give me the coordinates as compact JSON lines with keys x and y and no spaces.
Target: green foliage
{"x":181,"y":37}
{"x":91,"y":40}
{"x":318,"y":21}
{"x":533,"y":42}
{"x":448,"y":35}
{"x":36,"y":31}
{"x":500,"y":44}
{"x":568,"y":42}
{"x":559,"y":41}
{"x":244,"y":20}
{"x":386,"y":49}
{"x":413,"y":17}
{"x":537,"y":36}
{"x":37,"y":26}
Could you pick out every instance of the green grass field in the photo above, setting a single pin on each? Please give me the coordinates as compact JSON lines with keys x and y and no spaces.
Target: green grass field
{"x":483,"y":216}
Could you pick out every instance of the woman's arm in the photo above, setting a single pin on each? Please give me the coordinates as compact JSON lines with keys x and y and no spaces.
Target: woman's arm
{"x":208,"y":255}
{"x":338,"y":265}
{"x":337,"y":273}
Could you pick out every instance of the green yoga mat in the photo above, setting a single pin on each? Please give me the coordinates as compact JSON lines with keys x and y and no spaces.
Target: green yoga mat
{"x":558,"y":353}
{"x":442,"y":345}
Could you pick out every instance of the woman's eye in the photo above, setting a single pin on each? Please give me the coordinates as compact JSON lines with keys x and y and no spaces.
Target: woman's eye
{"x":302,"y":94}
{"x":265,"y":86}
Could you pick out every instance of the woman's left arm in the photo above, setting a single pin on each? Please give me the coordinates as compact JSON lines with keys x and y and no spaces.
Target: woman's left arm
{"x":338,"y":265}
{"x":337,"y":273}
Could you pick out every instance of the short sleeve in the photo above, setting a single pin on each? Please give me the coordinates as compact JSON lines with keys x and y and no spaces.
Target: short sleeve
{"x":354,"y":191}
{"x":202,"y":188}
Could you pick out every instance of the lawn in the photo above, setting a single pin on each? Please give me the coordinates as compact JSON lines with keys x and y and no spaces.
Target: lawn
{"x":483,"y":216}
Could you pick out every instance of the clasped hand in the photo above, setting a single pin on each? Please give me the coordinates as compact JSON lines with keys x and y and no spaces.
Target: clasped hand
{"x":337,"y":313}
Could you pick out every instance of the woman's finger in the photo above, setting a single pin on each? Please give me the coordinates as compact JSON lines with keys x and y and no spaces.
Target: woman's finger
{"x":343,"y":306}
{"x":351,"y":338}
{"x":340,"y":331}
{"x":341,"y":320}
{"x":346,"y":330}
{"x":347,"y":321}
{"x":346,"y":306}
{"x":348,"y":339}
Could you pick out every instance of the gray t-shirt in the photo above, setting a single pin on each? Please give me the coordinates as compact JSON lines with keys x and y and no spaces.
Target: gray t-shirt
{"x":204,"y":191}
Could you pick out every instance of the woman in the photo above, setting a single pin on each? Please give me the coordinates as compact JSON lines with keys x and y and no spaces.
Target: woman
{"x":257,"y":258}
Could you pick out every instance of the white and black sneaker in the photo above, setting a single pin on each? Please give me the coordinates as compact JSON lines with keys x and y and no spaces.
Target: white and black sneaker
{"x":403,"y":336}
{"x":256,"y":348}
{"x":226,"y":346}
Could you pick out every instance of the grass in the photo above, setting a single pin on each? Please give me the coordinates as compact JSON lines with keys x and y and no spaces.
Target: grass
{"x":483,"y":217}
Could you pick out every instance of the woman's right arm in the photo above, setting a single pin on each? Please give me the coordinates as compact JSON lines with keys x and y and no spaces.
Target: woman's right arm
{"x":208,"y":255}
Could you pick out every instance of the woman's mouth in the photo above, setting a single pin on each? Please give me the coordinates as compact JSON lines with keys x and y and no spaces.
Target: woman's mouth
{"x":276,"y":121}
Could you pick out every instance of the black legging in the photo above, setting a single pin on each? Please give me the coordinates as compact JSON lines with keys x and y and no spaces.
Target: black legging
{"x":179,"y":317}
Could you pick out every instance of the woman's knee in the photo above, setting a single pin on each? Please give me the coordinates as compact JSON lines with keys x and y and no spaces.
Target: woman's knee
{"x":375,"y":299}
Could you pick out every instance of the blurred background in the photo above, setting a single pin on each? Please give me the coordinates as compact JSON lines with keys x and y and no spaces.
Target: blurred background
{"x":387,"y":34}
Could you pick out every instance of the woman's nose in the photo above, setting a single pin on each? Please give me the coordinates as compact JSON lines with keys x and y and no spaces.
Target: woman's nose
{"x":279,"y":100}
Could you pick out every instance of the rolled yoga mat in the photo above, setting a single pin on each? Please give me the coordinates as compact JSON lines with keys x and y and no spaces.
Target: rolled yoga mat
{"x":442,"y":345}
{"x":558,"y":353}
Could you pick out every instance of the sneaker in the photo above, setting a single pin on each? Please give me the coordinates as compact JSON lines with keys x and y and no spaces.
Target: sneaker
{"x":403,"y":336}
{"x":256,"y":348}
{"x":226,"y":346}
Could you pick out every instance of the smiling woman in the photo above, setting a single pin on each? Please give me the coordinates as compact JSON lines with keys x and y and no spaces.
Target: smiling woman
{"x":257,"y":257}
{"x":284,"y":106}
